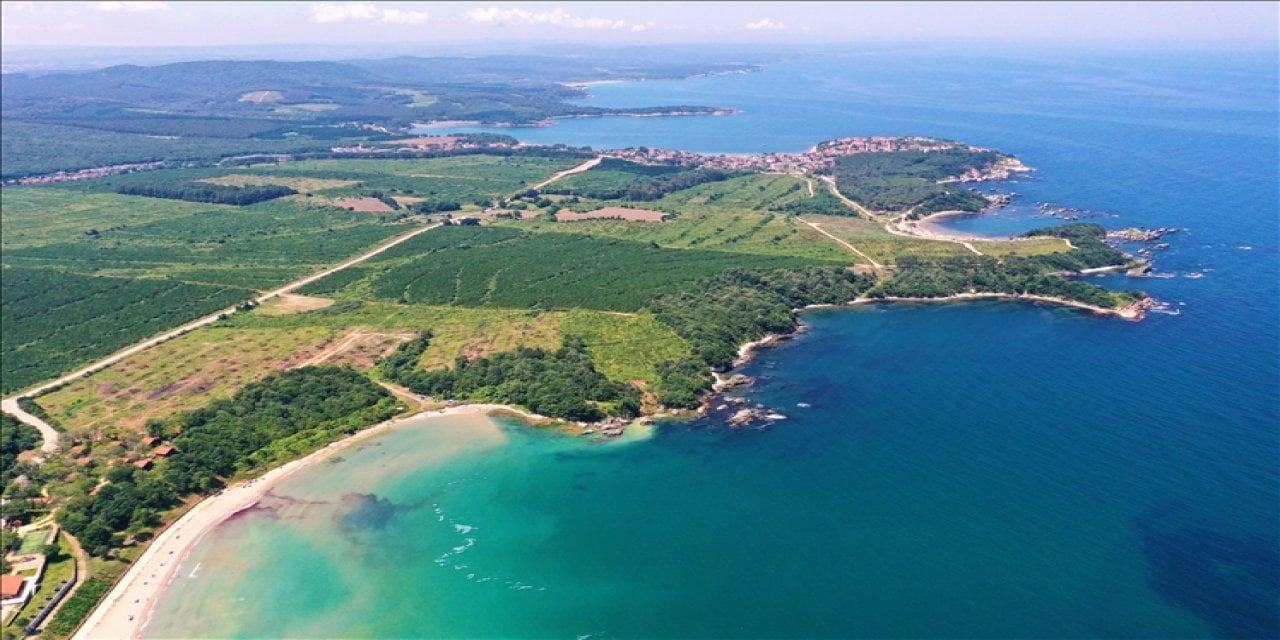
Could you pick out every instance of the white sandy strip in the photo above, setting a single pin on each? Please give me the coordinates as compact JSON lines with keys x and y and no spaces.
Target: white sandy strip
{"x":125,"y":611}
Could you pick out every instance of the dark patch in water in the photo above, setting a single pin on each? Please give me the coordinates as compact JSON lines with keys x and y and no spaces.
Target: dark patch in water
{"x":1232,"y":582}
{"x":366,"y":512}
{"x":579,"y":487}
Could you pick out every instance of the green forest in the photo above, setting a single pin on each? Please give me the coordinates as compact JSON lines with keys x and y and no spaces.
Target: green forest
{"x":908,"y":180}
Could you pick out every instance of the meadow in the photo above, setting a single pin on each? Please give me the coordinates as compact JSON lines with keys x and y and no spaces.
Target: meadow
{"x":214,"y":362}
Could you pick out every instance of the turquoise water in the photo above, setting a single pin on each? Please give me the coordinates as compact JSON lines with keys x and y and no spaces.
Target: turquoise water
{"x":980,"y":470}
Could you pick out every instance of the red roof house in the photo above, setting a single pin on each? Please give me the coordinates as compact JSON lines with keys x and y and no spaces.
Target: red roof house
{"x":10,"y":586}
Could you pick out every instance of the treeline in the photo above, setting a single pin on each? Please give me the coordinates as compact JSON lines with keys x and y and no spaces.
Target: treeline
{"x":616,"y":179}
{"x":944,"y":276}
{"x":263,"y":424}
{"x":560,"y":384}
{"x":822,"y":203}
{"x":206,"y":192}
{"x":15,"y":437}
{"x":720,"y":313}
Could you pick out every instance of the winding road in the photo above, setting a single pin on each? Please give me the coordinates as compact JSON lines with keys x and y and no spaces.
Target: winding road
{"x":50,"y":435}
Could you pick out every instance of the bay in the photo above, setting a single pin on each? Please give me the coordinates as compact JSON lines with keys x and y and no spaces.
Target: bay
{"x":998,"y":470}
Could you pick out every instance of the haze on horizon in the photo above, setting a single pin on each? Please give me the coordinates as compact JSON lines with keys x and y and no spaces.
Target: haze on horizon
{"x":430,"y":25}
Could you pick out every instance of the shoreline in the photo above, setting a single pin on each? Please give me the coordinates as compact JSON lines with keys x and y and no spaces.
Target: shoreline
{"x":746,"y":352}
{"x":128,"y":607}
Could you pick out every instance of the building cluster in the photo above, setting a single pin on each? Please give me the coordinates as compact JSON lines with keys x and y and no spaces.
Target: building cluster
{"x":86,"y":174}
{"x":820,"y":158}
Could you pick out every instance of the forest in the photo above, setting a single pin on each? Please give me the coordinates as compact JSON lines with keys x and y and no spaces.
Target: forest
{"x":206,"y":192}
{"x":908,"y":180}
{"x":560,"y":384}
{"x":615,"y":179}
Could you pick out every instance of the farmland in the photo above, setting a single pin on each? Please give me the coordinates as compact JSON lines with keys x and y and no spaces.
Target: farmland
{"x":212,"y":363}
{"x":499,"y":267}
{"x":734,"y":216}
{"x":118,"y":268}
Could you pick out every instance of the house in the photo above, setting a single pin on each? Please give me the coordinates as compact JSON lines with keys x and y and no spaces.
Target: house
{"x":143,"y":464}
{"x":150,"y":441}
{"x":165,"y":450}
{"x":11,"y":586}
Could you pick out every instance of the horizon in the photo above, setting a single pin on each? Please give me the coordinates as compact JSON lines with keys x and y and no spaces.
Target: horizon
{"x":192,"y":25}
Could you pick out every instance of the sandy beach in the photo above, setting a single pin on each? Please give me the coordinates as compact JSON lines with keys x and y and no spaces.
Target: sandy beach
{"x":127,"y":608}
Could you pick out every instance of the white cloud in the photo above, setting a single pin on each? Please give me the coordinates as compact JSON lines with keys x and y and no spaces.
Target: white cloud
{"x":18,"y":6}
{"x":326,"y":12}
{"x":131,"y":7}
{"x":557,"y":17}
{"x":643,"y":27}
{"x":766,"y":24}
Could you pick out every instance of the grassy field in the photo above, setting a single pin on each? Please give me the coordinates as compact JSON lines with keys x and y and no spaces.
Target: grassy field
{"x":212,"y":363}
{"x":732,"y":216}
{"x":885,"y":247}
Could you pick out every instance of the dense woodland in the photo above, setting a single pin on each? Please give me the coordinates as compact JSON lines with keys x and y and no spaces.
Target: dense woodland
{"x":615,"y":179}
{"x":207,"y":192}
{"x":560,"y":384}
{"x":908,"y":180}
{"x":263,"y":424}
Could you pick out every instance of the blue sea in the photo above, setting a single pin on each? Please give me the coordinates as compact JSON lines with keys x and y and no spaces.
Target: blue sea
{"x":978,"y":470}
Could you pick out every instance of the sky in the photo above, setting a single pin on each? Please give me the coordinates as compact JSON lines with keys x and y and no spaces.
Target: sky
{"x":169,"y":23}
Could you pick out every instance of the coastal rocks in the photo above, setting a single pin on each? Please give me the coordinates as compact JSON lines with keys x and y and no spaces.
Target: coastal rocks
{"x":1134,"y":234}
{"x":737,"y":381}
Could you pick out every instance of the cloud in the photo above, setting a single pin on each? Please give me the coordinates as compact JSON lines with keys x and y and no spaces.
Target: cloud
{"x":131,"y":7}
{"x":18,"y":6}
{"x":643,"y":27}
{"x":327,"y":12}
{"x":765,"y":24}
{"x":556,"y":17}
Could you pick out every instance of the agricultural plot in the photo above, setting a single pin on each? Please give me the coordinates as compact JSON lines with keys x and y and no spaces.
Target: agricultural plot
{"x":885,"y":247}
{"x":257,"y":246}
{"x":214,"y":362}
{"x":735,"y":215}
{"x":54,"y":321}
{"x":462,"y":179}
{"x":495,"y":267}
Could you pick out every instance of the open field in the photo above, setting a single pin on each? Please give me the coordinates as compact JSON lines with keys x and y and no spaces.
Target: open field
{"x":301,"y":185}
{"x":885,"y":247}
{"x":613,"y":213}
{"x":364,"y":205}
{"x":214,"y":362}
{"x":732,"y":215}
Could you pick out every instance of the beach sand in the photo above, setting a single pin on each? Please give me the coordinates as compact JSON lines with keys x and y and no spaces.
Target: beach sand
{"x":126,"y":610}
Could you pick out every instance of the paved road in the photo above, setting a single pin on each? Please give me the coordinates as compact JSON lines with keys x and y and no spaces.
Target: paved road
{"x":50,"y":435}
